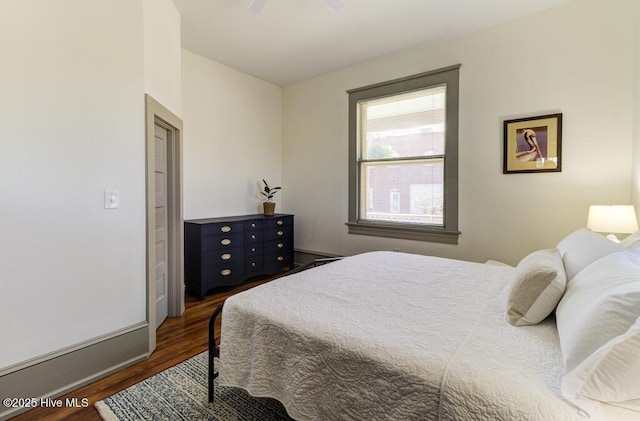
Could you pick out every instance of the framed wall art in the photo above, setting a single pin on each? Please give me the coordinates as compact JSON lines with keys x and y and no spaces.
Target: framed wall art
{"x":533,"y":144}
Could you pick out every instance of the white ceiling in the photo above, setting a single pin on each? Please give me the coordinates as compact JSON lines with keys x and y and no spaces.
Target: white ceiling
{"x":293,"y":40}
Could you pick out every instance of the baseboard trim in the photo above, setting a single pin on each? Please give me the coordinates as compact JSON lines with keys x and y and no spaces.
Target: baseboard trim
{"x":63,"y":371}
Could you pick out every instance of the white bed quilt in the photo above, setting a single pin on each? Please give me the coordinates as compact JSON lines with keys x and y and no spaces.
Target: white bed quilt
{"x":387,"y":335}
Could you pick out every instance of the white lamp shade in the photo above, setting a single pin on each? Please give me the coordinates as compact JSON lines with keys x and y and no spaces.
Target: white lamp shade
{"x":612,"y":219}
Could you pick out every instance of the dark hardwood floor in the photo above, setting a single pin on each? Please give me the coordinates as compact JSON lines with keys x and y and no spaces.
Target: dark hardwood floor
{"x":178,"y":339}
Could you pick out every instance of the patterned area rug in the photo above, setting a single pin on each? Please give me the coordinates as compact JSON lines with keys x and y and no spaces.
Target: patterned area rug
{"x":180,"y":393}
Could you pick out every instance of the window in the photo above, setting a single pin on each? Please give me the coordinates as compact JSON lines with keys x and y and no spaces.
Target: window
{"x":403,"y":158}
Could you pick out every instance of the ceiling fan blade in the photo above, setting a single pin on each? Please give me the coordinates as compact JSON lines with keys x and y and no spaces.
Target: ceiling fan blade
{"x":256,"y":6}
{"x":334,"y":5}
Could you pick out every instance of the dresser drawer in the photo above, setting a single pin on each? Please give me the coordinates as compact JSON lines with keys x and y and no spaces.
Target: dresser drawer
{"x":254,"y":236}
{"x":277,"y":261}
{"x":222,"y":241}
{"x":232,"y":269}
{"x":253,"y":224}
{"x":283,"y":245}
{"x":223,"y":228}
{"x":251,"y":250}
{"x":254,"y":264}
{"x":223,"y":256}
{"x":278,"y":221}
{"x":285,"y":231}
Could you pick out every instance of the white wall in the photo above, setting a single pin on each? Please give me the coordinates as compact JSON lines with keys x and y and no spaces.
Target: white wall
{"x":232,"y":138}
{"x":162,"y":53}
{"x":72,"y":119}
{"x":636,"y":115}
{"x":576,"y":59}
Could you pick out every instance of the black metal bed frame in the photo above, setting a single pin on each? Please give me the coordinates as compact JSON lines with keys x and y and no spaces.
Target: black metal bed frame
{"x":214,"y":349}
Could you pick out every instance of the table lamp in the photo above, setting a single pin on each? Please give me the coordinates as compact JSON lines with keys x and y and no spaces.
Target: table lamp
{"x":612,"y":219}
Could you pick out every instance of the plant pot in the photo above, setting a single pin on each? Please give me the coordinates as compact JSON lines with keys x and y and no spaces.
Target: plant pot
{"x":269,"y":208}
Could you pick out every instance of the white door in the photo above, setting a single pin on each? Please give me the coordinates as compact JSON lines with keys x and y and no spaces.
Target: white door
{"x":161,"y":203}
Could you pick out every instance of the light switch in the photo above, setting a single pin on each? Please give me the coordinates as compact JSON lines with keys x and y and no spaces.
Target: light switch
{"x":111,"y":199}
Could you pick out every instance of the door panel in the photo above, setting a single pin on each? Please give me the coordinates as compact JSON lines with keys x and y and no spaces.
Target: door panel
{"x":161,"y":246}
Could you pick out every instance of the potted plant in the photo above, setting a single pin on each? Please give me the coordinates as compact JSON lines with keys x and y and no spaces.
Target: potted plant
{"x":269,"y":205}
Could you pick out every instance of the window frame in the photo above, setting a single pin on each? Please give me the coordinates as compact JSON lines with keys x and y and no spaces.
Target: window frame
{"x":448,"y":234}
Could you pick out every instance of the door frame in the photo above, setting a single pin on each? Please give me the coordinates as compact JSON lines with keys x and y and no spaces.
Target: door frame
{"x":156,"y":113}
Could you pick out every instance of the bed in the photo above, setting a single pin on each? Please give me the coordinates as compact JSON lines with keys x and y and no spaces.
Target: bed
{"x":388,"y":335}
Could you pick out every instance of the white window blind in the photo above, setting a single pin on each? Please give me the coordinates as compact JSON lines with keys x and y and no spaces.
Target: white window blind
{"x":402,"y":144}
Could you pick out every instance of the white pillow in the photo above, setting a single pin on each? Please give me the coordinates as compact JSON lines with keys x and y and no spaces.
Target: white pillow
{"x":582,"y":247}
{"x":598,"y":322}
{"x":536,"y":288}
{"x":609,"y":375}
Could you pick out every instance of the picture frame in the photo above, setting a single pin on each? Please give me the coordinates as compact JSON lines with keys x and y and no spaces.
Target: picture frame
{"x":533,"y":144}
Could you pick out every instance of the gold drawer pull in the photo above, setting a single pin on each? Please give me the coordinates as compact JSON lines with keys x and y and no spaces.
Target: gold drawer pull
{"x":280,"y":258}
{"x":226,"y":228}
{"x":280,"y":245}
{"x":225,"y":242}
{"x":226,"y":256}
{"x":226,"y":272}
{"x":280,"y":222}
{"x":280,"y":233}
